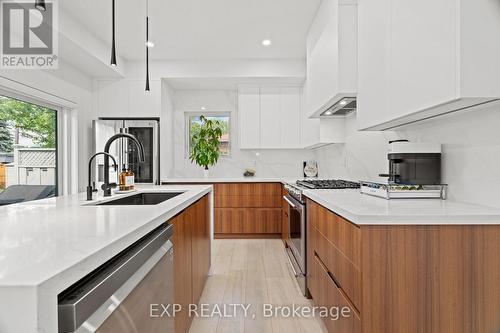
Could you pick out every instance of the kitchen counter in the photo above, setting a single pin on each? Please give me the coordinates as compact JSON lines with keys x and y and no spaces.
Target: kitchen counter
{"x":47,"y":245}
{"x":224,"y":180}
{"x":363,"y":209}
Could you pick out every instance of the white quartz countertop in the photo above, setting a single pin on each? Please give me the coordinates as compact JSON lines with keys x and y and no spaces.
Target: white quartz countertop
{"x":48,"y":245}
{"x":226,"y":180}
{"x":363,"y":209}
{"x":42,"y":239}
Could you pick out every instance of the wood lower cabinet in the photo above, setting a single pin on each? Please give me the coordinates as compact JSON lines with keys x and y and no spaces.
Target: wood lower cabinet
{"x":191,"y":240}
{"x":247,"y":210}
{"x":328,"y":294}
{"x":397,"y":278}
{"x":200,"y":246}
{"x":247,"y":221}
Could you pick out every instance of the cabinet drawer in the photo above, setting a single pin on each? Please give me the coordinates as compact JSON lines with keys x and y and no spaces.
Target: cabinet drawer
{"x":247,"y":221}
{"x":247,"y":201}
{"x":247,"y":189}
{"x":326,"y":293}
{"x":342,"y":269}
{"x":344,"y":235}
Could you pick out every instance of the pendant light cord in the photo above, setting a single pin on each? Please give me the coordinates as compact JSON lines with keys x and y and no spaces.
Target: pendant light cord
{"x":147,"y":45}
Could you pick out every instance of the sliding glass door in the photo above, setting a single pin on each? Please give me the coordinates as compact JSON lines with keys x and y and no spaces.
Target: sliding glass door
{"x":28,"y":151}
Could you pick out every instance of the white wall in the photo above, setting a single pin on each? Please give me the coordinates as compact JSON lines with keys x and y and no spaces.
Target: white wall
{"x":167,"y":131}
{"x":471,"y":153}
{"x":362,"y":157}
{"x":268,"y":163}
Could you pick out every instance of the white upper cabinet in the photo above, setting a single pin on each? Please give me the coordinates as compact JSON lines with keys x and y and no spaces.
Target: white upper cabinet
{"x":419,"y":59}
{"x":128,"y":99}
{"x":269,"y":117}
{"x":331,"y":55}
{"x":291,"y":108}
{"x":249,"y":117}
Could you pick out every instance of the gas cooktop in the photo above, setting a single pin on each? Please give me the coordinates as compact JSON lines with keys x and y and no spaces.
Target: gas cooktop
{"x":327,"y":184}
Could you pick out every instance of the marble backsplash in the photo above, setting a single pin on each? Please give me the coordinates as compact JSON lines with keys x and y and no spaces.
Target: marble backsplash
{"x":471,"y":153}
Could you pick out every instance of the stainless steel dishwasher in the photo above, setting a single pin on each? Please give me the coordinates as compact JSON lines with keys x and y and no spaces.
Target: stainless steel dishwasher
{"x":119,"y":295}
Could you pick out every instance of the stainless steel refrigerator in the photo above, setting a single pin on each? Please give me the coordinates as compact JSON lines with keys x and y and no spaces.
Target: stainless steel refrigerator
{"x":147,"y":131}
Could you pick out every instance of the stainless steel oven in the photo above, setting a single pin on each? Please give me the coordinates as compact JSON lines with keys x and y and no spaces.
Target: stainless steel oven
{"x":296,"y":249}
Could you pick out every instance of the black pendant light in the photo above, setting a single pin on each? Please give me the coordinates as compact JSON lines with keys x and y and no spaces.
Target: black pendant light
{"x":147,"y":45}
{"x":40,"y":5}
{"x":113,"y":49}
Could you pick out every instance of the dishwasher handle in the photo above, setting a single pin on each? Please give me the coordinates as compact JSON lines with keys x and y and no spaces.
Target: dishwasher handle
{"x":80,"y":301}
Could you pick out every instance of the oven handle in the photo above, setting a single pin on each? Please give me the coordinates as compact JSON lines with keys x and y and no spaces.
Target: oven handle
{"x":289,"y":201}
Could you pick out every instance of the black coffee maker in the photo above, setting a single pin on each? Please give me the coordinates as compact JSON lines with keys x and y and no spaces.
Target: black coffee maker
{"x":414,"y":163}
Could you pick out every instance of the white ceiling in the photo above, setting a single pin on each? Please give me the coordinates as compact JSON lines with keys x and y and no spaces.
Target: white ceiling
{"x":201,"y":29}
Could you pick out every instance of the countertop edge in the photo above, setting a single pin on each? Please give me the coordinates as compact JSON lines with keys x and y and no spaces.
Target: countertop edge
{"x":399,"y":219}
{"x":223,"y":180}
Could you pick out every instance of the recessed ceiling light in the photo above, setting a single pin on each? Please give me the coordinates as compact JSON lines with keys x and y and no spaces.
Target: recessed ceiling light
{"x":266,"y":42}
{"x":150,"y":44}
{"x":203,"y":108}
{"x":343,"y":102}
{"x":328,"y":113}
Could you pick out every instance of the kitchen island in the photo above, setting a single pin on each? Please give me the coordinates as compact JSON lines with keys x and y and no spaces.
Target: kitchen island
{"x":48,"y":245}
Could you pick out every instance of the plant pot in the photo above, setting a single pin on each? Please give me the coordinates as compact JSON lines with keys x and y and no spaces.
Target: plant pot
{"x":205,"y":173}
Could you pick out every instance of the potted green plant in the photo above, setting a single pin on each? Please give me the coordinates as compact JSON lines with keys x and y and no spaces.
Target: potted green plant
{"x":205,"y":144}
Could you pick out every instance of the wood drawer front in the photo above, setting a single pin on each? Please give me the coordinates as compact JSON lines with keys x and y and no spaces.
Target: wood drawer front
{"x":247,"y":201}
{"x":329,"y":295}
{"x":344,"y":235}
{"x":247,"y":221}
{"x":247,"y":189}
{"x":342,"y":269}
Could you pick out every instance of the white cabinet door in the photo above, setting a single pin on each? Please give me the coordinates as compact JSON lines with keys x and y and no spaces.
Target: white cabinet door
{"x":249,"y":117}
{"x":404,"y":65}
{"x":290,"y":117}
{"x":420,"y":59}
{"x":270,"y":117}
{"x":142,"y":103}
{"x":424,"y":58}
{"x":373,"y":61}
{"x":112,"y":100}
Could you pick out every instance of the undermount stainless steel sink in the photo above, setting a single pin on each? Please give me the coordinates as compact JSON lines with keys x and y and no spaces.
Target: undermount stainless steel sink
{"x":143,"y":198}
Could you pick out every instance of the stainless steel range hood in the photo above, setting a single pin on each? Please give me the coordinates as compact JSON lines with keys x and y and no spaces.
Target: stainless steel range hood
{"x":340,"y":105}
{"x":341,"y":108}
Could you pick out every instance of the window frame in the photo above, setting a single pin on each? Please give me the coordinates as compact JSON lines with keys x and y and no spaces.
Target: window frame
{"x":187,"y":129}
{"x":57,"y":109}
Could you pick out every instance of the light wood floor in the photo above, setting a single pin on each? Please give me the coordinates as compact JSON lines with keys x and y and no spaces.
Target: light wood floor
{"x":256,"y":272}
